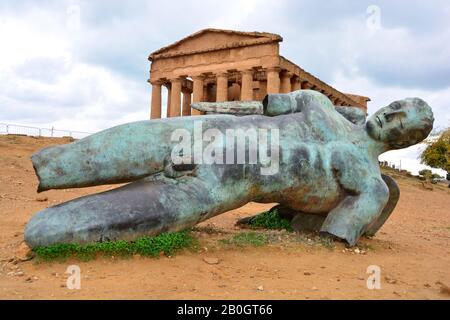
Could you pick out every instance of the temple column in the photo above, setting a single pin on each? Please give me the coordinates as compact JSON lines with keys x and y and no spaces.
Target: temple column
{"x":155,"y":112}
{"x":273,"y":80}
{"x":186,"y":111}
{"x":305,"y":85}
{"x":175,"y":98}
{"x":197,"y":92}
{"x":222,"y":87}
{"x":247,"y":85}
{"x":296,"y":84}
{"x":285,"y":82}
{"x":168,"y":86}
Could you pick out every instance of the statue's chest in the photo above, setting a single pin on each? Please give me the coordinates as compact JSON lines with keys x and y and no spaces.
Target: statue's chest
{"x":311,"y":183}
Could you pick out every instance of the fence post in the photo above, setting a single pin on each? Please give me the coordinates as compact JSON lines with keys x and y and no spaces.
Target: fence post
{"x":52,"y":131}
{"x":7,"y":127}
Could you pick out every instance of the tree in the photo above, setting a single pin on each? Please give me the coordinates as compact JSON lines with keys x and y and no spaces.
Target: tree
{"x":437,"y":153}
{"x":429,"y":176}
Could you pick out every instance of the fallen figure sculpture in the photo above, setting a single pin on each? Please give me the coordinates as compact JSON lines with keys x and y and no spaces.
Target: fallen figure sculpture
{"x":323,"y":169}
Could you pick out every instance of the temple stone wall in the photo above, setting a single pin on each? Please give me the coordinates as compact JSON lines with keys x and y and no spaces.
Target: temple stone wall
{"x":225,"y":65}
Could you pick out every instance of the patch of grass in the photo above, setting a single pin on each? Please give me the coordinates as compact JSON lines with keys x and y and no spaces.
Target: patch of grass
{"x":327,"y":242}
{"x":166,"y":243}
{"x":207,"y":229}
{"x":270,"y":220}
{"x":247,"y":239}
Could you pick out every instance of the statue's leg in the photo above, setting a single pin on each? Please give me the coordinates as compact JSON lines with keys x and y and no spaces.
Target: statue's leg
{"x":120,"y":154}
{"x":146,"y":207}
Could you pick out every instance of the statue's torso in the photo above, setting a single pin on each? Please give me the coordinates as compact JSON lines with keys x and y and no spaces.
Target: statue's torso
{"x":314,"y":150}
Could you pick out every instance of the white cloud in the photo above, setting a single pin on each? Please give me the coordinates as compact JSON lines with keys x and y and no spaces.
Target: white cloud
{"x":82,"y":65}
{"x":43,"y":82}
{"x":408,"y":159}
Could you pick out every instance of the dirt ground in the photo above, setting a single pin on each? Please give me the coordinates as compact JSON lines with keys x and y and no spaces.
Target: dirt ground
{"x":412,"y":250}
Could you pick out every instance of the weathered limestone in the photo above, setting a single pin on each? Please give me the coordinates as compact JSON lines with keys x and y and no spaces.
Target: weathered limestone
{"x":234,"y":66}
{"x":222,"y":87}
{"x":285,"y":82}
{"x":186,"y":111}
{"x":175,"y":98}
{"x":296,"y":83}
{"x":305,"y":85}
{"x":273,"y":80}
{"x":197,"y":94}
{"x":156,"y":100}
{"x":247,"y":85}
{"x":169,"y":95}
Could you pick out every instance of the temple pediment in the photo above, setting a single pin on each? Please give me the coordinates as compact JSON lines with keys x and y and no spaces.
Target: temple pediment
{"x":214,"y":39}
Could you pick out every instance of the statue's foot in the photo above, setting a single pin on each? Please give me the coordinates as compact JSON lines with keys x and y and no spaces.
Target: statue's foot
{"x":146,"y":207}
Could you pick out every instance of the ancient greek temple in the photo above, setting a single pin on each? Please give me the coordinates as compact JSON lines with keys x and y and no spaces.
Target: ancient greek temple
{"x":225,"y":65}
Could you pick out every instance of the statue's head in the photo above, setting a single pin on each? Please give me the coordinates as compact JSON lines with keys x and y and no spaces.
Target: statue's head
{"x":401,"y":124}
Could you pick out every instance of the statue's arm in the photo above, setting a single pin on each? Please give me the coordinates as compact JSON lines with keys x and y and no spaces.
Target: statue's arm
{"x":278,"y":104}
{"x":353,"y":114}
{"x":238,"y":108}
{"x":366,"y":196}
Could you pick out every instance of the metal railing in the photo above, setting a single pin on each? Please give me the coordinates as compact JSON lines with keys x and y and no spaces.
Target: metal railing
{"x":6,"y":128}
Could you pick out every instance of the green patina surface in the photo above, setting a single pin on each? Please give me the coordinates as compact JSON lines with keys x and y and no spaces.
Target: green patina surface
{"x":327,"y":165}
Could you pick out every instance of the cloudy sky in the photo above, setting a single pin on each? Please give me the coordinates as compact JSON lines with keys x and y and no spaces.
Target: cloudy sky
{"x":82,"y":65}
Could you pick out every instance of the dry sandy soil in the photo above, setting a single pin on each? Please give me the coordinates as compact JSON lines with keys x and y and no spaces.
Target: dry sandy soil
{"x":412,"y":250}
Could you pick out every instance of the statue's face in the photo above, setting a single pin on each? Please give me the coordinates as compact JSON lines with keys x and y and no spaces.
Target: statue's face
{"x":401,"y":124}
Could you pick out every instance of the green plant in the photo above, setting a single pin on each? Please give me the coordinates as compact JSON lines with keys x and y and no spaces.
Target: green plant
{"x":270,"y":220}
{"x":427,"y":175}
{"x":327,"y":242}
{"x":166,"y":243}
{"x":437,"y":153}
{"x":247,"y":239}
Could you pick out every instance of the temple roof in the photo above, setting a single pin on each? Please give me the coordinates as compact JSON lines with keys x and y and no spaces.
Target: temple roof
{"x":223,"y":39}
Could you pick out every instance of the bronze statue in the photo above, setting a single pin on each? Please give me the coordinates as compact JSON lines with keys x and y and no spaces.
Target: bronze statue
{"x":308,"y":157}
